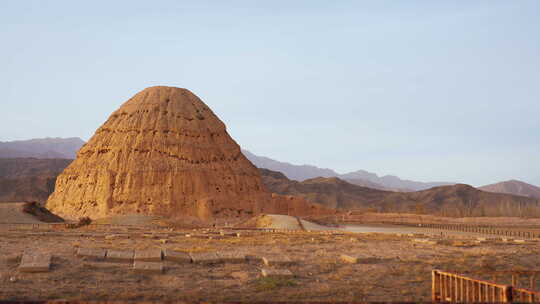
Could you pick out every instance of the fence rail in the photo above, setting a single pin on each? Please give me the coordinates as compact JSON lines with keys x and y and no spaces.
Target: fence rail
{"x":523,"y":295}
{"x":451,"y":287}
{"x":483,"y":230}
{"x":480,"y":229}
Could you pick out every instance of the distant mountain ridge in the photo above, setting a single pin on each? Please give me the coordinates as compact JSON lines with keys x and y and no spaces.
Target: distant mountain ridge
{"x":514,"y":187}
{"x":295,"y":172}
{"x":457,"y":200}
{"x":65,"y":148}
{"x":360,"y":177}
{"x":392,"y":182}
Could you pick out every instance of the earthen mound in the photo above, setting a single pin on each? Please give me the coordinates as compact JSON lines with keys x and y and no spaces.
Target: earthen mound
{"x":164,"y":152}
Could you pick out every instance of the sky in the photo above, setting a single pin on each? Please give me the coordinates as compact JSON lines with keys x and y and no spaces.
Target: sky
{"x":425,"y":90}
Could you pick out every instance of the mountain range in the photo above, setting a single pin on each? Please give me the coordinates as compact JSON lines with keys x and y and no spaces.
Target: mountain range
{"x":24,"y":179}
{"x":360,"y":177}
{"x":65,"y":148}
{"x":457,"y":200}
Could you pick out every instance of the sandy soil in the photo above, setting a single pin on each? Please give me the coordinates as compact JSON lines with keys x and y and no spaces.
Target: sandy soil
{"x":12,"y":213}
{"x":396,"y":268}
{"x":279,"y":221}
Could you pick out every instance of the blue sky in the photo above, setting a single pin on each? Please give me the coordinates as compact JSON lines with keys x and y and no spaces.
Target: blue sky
{"x":426,"y":90}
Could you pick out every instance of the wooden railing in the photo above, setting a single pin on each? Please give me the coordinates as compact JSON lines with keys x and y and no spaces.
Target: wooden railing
{"x":514,"y":232}
{"x":483,"y":230}
{"x":523,"y":295}
{"x":517,"y":275}
{"x":451,"y":287}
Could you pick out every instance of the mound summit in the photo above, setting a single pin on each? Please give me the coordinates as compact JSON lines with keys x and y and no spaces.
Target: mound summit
{"x":164,"y":152}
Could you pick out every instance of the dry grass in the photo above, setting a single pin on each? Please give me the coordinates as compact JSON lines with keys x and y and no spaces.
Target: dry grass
{"x":271,"y":284}
{"x":393,"y":267}
{"x":195,"y":249}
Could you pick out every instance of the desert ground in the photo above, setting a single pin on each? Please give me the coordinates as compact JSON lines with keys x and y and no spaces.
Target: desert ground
{"x":391,"y":266}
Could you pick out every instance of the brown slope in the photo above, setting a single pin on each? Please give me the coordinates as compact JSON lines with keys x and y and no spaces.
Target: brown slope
{"x":31,"y":167}
{"x":164,"y":152}
{"x":514,"y":187}
{"x":454,"y":200}
{"x":330,"y":192}
{"x":464,"y":200}
{"x":29,"y":179}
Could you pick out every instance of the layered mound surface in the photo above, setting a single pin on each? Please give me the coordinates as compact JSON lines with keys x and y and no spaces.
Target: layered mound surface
{"x":163,"y":152}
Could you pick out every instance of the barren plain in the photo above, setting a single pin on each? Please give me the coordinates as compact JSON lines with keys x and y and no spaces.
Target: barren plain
{"x":390,"y":267}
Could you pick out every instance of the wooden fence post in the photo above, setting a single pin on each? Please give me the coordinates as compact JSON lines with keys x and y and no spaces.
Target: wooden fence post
{"x":434,"y":286}
{"x":461,"y":290}
{"x":442,"y":291}
{"x":507,"y":297}
{"x":455,"y":295}
{"x":480,"y":295}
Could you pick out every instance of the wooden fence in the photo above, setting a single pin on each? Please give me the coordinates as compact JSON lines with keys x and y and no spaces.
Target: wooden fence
{"x":520,"y":232}
{"x":517,"y":275}
{"x":522,"y":295}
{"x":482,"y":230}
{"x":450,"y":287}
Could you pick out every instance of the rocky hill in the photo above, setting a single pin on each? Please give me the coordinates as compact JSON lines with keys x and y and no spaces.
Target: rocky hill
{"x":164,"y":152}
{"x":331,"y":192}
{"x":514,"y":187}
{"x":453,"y":200}
{"x":29,"y":179}
{"x":360,"y":177}
{"x":65,"y":148}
